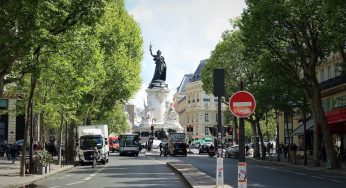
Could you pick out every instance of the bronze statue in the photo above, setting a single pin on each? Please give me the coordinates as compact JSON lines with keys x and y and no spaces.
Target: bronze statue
{"x":159,"y":77}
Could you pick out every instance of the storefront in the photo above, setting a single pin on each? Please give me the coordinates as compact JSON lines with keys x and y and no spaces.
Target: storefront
{"x":337,"y":125}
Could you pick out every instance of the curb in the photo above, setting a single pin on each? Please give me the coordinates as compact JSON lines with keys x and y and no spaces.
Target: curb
{"x":193,"y":177}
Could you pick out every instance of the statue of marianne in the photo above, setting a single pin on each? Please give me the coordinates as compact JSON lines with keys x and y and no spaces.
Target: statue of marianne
{"x":160,"y":68}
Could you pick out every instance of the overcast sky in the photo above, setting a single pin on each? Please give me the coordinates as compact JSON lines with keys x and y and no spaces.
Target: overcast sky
{"x":185,"y":31}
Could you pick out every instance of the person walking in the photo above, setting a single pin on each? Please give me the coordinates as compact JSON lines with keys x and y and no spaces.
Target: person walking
{"x":13,"y":152}
{"x":294,"y":153}
{"x":160,"y":145}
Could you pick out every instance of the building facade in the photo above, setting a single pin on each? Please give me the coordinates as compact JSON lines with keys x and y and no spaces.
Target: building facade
{"x":11,"y":124}
{"x":197,"y":110}
{"x":333,"y":92}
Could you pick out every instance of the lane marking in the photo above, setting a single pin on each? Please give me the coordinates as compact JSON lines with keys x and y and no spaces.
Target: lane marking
{"x":317,"y":177}
{"x":87,"y":178}
{"x":92,"y":175}
{"x":75,"y":183}
{"x":300,"y":173}
{"x":336,"y":181}
{"x":54,"y":187}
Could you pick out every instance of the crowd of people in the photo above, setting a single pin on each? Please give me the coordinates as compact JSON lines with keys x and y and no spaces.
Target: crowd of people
{"x":288,"y":151}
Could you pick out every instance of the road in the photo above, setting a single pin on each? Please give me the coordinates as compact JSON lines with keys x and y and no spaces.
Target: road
{"x":265,"y":174}
{"x":151,"y":171}
{"x":122,"y":171}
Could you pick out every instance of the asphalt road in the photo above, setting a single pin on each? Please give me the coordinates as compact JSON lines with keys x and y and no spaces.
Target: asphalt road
{"x":122,"y":171}
{"x":264,"y":174}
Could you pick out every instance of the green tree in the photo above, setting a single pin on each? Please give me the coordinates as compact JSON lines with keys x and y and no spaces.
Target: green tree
{"x":296,"y":36}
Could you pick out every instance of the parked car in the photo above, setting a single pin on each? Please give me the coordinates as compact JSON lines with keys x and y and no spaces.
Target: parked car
{"x":232,"y":151}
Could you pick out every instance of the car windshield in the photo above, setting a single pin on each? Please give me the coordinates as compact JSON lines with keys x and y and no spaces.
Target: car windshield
{"x":115,"y":141}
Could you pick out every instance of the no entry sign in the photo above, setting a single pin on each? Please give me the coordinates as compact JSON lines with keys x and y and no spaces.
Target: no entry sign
{"x":242,"y":104}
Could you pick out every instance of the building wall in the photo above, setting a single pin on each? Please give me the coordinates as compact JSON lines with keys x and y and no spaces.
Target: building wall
{"x":11,"y":120}
{"x":198,"y":110}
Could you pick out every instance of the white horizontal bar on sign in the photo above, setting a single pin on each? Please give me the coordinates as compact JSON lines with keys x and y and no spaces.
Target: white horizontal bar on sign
{"x":240,"y":104}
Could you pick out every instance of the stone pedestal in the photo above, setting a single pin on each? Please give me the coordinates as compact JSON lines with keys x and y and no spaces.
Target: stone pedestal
{"x":157,"y":103}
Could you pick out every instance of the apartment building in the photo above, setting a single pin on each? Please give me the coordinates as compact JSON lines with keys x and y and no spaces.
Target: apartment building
{"x":333,"y":91}
{"x":197,"y":110}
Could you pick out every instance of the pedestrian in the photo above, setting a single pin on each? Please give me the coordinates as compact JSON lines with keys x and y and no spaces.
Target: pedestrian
{"x":160,"y":145}
{"x":279,"y":151}
{"x":13,"y":152}
{"x":285,"y":148}
{"x":294,"y":153}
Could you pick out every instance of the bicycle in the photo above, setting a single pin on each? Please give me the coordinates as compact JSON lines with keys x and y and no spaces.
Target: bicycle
{"x":94,"y":162}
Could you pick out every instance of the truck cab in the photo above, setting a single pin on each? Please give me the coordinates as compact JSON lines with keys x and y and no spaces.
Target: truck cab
{"x":90,"y":137}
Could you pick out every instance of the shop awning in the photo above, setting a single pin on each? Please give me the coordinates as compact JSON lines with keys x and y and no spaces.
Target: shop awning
{"x":300,"y":129}
{"x":337,"y":115}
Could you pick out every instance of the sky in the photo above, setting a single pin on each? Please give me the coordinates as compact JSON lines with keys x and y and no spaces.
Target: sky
{"x":185,"y":31}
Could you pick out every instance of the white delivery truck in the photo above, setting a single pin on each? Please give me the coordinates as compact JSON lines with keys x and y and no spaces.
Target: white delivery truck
{"x":93,"y":136}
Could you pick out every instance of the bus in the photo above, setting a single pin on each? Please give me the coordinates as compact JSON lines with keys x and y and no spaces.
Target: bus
{"x":129,"y":144}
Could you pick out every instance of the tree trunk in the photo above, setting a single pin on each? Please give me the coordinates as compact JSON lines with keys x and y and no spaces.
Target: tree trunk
{"x":326,"y":135}
{"x":256,"y":146}
{"x":27,"y":124}
{"x":277,"y":135}
{"x":315,"y":154}
{"x":263,"y":149}
{"x":71,"y":143}
{"x":60,"y":138}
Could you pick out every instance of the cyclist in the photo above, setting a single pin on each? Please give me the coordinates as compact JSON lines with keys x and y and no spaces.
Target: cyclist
{"x":95,"y":156}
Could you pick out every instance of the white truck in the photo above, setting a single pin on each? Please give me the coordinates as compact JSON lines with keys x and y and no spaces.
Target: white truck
{"x":92,"y":136}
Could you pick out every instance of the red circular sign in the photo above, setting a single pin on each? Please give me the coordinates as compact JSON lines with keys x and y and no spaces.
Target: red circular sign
{"x":242,"y":104}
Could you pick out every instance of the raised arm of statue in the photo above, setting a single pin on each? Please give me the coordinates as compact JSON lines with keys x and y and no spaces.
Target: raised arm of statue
{"x":151,"y":52}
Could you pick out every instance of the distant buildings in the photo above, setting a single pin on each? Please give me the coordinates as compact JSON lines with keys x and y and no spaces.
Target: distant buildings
{"x":197,"y":110}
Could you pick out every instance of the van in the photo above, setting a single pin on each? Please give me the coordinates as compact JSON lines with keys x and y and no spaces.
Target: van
{"x":178,"y":148}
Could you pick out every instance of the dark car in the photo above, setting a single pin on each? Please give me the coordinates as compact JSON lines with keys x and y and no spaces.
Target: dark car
{"x":179,"y":149}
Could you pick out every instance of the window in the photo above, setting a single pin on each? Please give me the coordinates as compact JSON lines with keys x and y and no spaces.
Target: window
{"x":321,"y":75}
{"x":192,"y":118}
{"x":3,"y":104}
{"x":206,"y":117}
{"x":329,"y":72}
{"x":206,"y":130}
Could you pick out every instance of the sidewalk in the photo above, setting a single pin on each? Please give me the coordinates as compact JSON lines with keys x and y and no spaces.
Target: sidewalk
{"x":10,"y":177}
{"x":300,"y":164}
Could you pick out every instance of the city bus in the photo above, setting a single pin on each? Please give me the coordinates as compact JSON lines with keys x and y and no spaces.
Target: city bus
{"x":129,"y":144}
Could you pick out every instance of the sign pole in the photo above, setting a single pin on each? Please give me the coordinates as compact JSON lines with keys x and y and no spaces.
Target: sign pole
{"x":242,"y":104}
{"x":242,"y":173}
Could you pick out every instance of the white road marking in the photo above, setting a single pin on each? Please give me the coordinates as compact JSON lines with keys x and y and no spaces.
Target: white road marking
{"x":75,"y":183}
{"x":92,"y":175}
{"x":317,"y":177}
{"x":54,"y":187}
{"x":300,"y":173}
{"x":336,"y":181}
{"x":88,"y":178}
